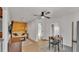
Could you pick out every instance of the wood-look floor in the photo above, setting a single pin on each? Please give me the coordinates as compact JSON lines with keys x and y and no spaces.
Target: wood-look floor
{"x":29,"y":46}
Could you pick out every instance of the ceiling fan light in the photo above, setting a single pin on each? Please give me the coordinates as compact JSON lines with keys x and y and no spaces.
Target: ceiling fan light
{"x":42,"y":17}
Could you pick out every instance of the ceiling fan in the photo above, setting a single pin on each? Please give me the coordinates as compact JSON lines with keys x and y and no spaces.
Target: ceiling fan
{"x":44,"y":14}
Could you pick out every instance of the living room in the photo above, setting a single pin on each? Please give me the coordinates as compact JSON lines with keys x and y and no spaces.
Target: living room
{"x":43,"y":22}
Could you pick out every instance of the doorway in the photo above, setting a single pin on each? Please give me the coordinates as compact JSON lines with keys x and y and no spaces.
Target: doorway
{"x":39,"y":31}
{"x":77,"y":36}
{"x":55,"y":30}
{"x":78,"y":31}
{"x":52,"y":27}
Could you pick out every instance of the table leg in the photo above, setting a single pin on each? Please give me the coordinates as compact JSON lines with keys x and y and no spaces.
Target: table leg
{"x":58,"y":47}
{"x":49,"y":44}
{"x":1,"y":46}
{"x":62,"y":43}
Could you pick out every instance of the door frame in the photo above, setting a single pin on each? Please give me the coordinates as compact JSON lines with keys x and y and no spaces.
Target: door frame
{"x":75,"y":31}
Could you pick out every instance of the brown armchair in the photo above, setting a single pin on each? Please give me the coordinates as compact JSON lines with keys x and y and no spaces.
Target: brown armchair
{"x":18,"y":34}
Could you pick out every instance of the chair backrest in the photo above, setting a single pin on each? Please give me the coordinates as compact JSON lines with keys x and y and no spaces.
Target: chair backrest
{"x":59,"y":37}
{"x":51,"y":37}
{"x":19,"y":29}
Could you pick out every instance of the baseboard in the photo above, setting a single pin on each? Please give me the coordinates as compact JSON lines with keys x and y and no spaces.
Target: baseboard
{"x":66,"y":45}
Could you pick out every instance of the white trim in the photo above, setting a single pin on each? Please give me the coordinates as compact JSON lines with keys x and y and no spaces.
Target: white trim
{"x":75,"y":30}
{"x":5,"y":28}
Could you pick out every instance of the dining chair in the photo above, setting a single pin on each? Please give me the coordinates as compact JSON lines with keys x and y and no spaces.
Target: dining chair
{"x":53,"y":42}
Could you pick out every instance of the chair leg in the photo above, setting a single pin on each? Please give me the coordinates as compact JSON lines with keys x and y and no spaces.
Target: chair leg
{"x":61,"y":43}
{"x":52,"y":45}
{"x":54,"y":48}
{"x":49,"y":45}
{"x":58,"y":48}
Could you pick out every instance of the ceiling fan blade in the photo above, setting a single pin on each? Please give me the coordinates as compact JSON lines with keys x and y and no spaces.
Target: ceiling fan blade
{"x":36,"y":15}
{"x":47,"y":17}
{"x":47,"y":13}
{"x":43,"y":14}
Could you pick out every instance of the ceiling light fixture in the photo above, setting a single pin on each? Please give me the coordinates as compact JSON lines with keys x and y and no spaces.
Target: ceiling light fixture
{"x":42,"y":17}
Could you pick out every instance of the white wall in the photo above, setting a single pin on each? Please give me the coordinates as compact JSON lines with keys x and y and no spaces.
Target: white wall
{"x":65,"y":24}
{"x":66,"y":30}
{"x":32,"y":30}
{"x":61,"y":16}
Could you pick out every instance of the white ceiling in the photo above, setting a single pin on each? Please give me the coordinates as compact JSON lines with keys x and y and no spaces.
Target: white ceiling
{"x":27,"y":13}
